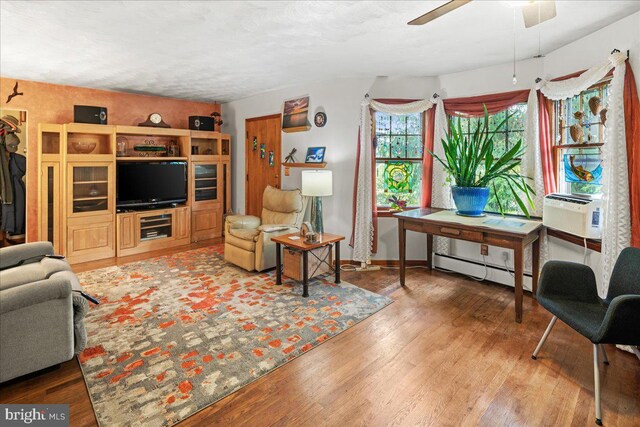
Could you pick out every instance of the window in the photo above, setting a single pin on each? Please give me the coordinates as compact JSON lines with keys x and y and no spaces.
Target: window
{"x":398,"y":152}
{"x":579,"y":134}
{"x":509,"y":134}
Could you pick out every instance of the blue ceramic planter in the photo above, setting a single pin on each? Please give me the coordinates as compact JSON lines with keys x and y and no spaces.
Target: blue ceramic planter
{"x":470,"y":201}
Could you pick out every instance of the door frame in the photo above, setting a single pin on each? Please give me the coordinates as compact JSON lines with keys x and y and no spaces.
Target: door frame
{"x":247,"y":149}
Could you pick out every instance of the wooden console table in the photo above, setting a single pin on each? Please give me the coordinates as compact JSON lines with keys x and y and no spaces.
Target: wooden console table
{"x":494,"y":230}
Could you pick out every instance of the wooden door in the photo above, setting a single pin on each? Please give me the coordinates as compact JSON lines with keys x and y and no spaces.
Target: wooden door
{"x":183,"y":223}
{"x":266,"y":131}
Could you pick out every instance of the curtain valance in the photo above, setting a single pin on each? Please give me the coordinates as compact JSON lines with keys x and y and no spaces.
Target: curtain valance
{"x":567,"y":88}
{"x":472,"y":106}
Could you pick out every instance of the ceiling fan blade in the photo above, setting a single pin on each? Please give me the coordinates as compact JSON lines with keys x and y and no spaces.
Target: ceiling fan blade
{"x":538,"y":11}
{"x":438,"y":12}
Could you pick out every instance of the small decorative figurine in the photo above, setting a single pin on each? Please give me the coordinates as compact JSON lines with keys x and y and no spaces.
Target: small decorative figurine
{"x":216,"y":119}
{"x":576,"y":132}
{"x":397,"y":204}
{"x":290,"y":158}
{"x":595,"y":105}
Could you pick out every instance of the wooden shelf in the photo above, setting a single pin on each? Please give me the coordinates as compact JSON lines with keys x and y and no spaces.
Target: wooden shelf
{"x":89,"y":128}
{"x":305,"y":165}
{"x":151,"y":159}
{"x":595,"y":144}
{"x":297,"y":129}
{"x":205,"y":134}
{"x":82,"y":199}
{"x":151,"y":131}
{"x":205,"y":157}
{"x":91,"y":182}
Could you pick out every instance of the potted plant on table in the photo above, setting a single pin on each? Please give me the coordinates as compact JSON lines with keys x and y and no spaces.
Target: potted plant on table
{"x":472,"y":165}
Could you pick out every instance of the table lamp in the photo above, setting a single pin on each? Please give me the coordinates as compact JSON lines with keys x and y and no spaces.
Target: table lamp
{"x":317,"y":183}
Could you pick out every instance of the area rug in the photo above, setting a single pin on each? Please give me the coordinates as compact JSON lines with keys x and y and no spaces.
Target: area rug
{"x":175,"y":334}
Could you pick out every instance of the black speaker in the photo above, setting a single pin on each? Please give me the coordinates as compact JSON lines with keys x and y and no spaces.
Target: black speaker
{"x":202,"y":123}
{"x":89,"y":114}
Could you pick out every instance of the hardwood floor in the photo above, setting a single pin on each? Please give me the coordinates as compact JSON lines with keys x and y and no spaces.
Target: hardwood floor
{"x":446,"y":352}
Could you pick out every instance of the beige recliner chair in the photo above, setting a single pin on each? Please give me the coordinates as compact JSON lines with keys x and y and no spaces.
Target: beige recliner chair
{"x":248,"y":238}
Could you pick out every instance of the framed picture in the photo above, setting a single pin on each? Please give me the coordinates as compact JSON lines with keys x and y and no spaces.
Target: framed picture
{"x":315,"y":154}
{"x":295,"y":115}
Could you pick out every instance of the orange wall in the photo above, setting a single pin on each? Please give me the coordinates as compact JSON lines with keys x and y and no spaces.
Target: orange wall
{"x":51,"y":103}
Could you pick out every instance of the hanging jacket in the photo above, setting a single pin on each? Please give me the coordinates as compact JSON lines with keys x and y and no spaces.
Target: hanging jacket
{"x":13,"y":215}
{"x":6,"y":189}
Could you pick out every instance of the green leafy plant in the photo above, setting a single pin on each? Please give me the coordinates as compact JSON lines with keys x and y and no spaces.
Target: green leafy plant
{"x":470,"y":162}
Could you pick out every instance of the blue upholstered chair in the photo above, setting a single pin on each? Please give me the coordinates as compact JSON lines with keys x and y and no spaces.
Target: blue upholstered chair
{"x":568,"y":290}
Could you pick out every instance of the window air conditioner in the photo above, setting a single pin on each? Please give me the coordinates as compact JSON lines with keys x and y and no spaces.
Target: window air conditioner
{"x":575,"y":215}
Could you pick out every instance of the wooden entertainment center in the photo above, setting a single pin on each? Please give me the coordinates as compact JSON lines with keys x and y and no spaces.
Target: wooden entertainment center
{"x":77,"y":189}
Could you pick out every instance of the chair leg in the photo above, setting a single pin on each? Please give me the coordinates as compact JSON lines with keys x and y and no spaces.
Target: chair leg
{"x":534,"y":356}
{"x":596,"y":384}
{"x":605,"y":359}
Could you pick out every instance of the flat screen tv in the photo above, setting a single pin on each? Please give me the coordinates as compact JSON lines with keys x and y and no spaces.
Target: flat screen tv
{"x":150,"y":183}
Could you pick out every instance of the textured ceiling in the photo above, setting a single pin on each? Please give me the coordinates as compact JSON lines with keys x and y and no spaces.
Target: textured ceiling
{"x":220,"y":51}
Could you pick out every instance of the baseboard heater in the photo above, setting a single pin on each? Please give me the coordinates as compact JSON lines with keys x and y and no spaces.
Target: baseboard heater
{"x":503,"y":277}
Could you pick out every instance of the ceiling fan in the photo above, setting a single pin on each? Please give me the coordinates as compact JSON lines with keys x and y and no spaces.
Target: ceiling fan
{"x":534,"y":12}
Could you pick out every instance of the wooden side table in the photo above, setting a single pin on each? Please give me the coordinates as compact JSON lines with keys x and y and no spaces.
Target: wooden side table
{"x":325,"y":239}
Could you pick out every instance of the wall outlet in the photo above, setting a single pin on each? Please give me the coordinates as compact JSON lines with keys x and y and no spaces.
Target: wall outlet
{"x":484,"y":249}
{"x":505,"y":256}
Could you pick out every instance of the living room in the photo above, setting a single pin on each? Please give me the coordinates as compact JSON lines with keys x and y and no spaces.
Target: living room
{"x":377,"y":217}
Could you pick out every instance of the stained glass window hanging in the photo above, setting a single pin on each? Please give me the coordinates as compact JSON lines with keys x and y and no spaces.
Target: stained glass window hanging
{"x":398,"y":177}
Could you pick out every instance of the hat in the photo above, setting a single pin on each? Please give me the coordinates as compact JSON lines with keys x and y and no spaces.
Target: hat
{"x":12,"y":142}
{"x":12,"y":122}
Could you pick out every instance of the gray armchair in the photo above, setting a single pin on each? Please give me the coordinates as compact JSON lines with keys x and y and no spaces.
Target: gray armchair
{"x":41,"y":317}
{"x":568,"y":290}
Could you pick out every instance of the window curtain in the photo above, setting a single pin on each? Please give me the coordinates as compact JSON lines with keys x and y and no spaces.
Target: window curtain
{"x":632,"y":129}
{"x":441,"y":189}
{"x":473,"y":106}
{"x":537,"y":137}
{"x":616,"y":230}
{"x":546,"y":142}
{"x":363,"y":239}
{"x":429,"y":126}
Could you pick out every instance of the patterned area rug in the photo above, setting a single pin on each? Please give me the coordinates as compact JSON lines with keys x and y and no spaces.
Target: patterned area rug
{"x":175,"y":334}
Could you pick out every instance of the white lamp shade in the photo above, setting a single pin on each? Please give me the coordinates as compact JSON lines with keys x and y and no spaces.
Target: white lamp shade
{"x":317,"y":183}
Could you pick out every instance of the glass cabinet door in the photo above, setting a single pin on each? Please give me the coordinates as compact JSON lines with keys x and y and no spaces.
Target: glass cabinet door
{"x":50,"y":204}
{"x":206,"y":182}
{"x":90,"y":188}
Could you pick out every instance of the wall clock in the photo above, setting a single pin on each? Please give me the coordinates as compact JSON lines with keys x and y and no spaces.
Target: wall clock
{"x":154,"y":120}
{"x":320,"y":119}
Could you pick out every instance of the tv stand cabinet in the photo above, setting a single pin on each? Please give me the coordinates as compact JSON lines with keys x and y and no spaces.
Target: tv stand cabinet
{"x":149,"y":230}
{"x":77,"y":166}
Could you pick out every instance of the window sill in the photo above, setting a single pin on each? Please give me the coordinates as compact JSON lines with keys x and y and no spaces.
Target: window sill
{"x":386,"y":213}
{"x":593,"y":244}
